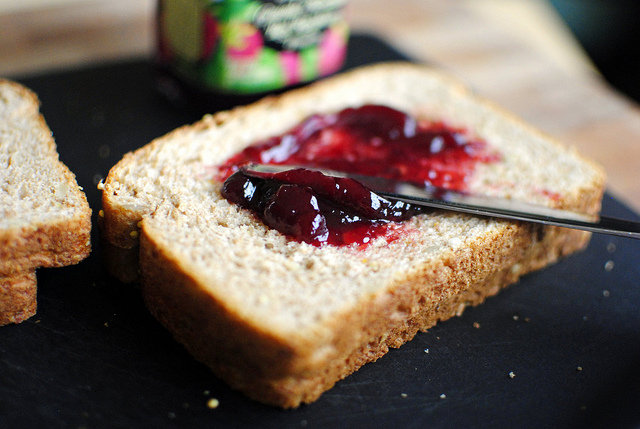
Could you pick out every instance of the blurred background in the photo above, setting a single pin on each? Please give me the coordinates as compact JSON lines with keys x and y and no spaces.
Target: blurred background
{"x":70,"y":32}
{"x":608,"y":32}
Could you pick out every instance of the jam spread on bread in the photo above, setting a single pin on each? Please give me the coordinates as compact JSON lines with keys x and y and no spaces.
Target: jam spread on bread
{"x":370,"y":140}
{"x":316,"y":208}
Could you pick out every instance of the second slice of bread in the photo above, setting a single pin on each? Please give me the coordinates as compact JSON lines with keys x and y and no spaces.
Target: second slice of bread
{"x":282,"y":321}
{"x":45,"y":220}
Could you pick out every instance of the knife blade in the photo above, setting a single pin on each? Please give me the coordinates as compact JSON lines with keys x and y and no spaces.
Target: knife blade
{"x":477,"y":205}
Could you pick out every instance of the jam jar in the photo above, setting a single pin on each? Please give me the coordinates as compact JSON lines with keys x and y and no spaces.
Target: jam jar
{"x":229,"y":51}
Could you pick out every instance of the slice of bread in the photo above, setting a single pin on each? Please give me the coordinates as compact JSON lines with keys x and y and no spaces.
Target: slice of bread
{"x":45,"y":220}
{"x":281,"y":320}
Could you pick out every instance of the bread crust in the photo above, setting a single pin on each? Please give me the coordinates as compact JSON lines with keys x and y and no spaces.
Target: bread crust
{"x":57,"y":244}
{"x":285,"y":368}
{"x":17,"y":297}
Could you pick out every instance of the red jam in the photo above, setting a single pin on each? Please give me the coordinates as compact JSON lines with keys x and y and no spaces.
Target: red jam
{"x":369,"y":140}
{"x":316,"y":208}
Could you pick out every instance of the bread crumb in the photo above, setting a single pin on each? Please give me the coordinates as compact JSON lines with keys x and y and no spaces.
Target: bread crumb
{"x":476,"y":325}
{"x":139,"y":224}
{"x":516,"y":268}
{"x":512,"y":374}
{"x":443,"y":396}
{"x":404,"y":395}
{"x":106,"y":324}
{"x":579,"y":368}
{"x":213,"y":403}
{"x":515,"y":318}
{"x":426,"y":351}
{"x":134,"y":234}
{"x":611,"y":247}
{"x":606,"y":293}
{"x":608,"y":266}
{"x":100,"y":186}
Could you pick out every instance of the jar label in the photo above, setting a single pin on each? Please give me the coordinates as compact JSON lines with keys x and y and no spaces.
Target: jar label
{"x":252,"y":46}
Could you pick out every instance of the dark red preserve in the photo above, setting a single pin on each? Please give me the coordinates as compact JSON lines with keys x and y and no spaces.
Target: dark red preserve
{"x":369,"y":140}
{"x":316,"y":208}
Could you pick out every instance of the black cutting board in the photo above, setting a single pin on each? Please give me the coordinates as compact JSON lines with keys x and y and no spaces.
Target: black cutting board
{"x":93,"y":357}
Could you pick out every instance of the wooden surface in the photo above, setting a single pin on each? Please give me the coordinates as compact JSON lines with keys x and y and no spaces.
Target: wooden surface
{"x":516,"y":52}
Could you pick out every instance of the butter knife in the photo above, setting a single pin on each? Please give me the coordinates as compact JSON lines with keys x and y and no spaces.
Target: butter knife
{"x":477,"y":205}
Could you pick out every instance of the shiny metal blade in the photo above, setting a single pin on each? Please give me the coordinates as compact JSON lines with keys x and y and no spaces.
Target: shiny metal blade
{"x":472,"y":204}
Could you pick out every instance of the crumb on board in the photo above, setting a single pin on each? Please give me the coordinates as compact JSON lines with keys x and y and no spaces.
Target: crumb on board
{"x":608,"y":266}
{"x":426,"y":351}
{"x":515,"y":317}
{"x":611,"y":247}
{"x":443,"y":396}
{"x":579,"y":368}
{"x":213,"y":403}
{"x":476,"y":325}
{"x":606,"y":293}
{"x":512,"y":374}
{"x":404,"y":395}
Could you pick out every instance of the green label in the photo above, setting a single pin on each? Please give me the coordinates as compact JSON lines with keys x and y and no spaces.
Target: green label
{"x":252,"y":46}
